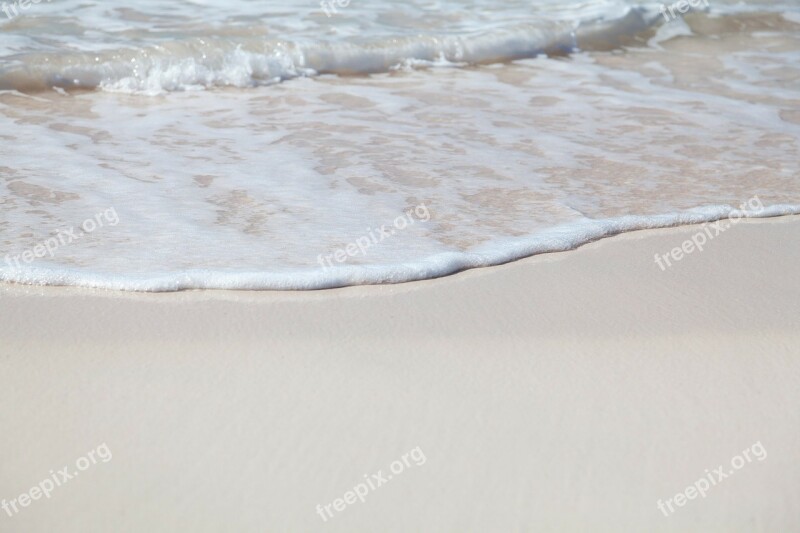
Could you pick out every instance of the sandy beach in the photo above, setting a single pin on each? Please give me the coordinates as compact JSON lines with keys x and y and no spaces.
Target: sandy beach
{"x":564,"y":392}
{"x":452,"y":266}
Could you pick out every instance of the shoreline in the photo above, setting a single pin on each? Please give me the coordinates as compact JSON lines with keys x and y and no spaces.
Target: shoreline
{"x":558,"y":239}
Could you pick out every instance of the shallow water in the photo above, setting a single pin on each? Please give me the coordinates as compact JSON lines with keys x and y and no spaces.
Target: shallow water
{"x":255,"y":146}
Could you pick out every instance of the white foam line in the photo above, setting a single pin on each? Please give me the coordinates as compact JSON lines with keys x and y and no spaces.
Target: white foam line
{"x":556,"y":239}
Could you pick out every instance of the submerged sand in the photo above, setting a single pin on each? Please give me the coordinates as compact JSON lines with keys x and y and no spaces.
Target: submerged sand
{"x":268,"y":187}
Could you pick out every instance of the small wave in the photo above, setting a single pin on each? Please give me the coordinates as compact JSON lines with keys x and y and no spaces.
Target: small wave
{"x":246,"y":62}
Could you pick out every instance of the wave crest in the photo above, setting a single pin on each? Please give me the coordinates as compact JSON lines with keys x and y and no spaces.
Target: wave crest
{"x":246,"y":62}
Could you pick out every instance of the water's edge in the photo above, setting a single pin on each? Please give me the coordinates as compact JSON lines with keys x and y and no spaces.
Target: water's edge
{"x":556,"y":239}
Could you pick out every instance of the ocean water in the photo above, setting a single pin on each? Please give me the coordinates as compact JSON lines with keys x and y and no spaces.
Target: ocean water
{"x":267,"y":145}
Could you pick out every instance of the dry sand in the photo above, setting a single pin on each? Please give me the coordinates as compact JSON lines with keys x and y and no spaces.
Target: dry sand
{"x":566,"y":392}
